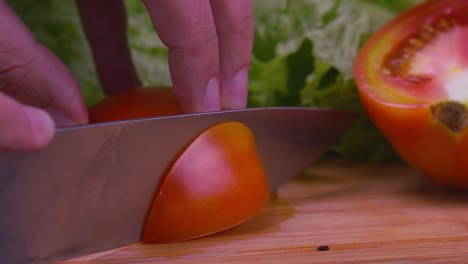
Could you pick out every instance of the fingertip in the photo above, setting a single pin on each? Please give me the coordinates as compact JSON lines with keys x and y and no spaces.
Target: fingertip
{"x":211,"y":100}
{"x":42,"y":126}
{"x":63,"y":120}
{"x":200,"y":100}
{"x":234,"y":94}
{"x":235,"y":25}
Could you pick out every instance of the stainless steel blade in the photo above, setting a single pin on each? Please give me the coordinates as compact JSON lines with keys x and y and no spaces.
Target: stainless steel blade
{"x":90,"y":189}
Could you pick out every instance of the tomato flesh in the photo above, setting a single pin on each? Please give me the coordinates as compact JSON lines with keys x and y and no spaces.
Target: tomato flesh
{"x":410,"y":58}
{"x":412,"y":77}
{"x":437,"y":65}
{"x":216,"y":183}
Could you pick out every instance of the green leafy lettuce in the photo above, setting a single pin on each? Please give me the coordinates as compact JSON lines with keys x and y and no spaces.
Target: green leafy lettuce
{"x":302,"y":56}
{"x":56,"y":24}
{"x":304,"y":52}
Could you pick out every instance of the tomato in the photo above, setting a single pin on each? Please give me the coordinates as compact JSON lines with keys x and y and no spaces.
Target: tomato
{"x":139,"y":102}
{"x":412,"y":77}
{"x":217,"y":182}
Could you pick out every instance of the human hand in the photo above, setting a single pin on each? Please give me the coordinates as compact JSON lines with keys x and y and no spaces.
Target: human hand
{"x":210,"y":44}
{"x":37,"y":92}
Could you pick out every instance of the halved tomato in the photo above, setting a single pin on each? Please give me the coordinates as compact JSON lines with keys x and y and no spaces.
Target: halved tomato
{"x":139,"y":102}
{"x":412,"y":77}
{"x":216,"y":183}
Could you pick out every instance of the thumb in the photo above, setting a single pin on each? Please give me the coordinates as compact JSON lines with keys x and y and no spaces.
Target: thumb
{"x":23,"y":127}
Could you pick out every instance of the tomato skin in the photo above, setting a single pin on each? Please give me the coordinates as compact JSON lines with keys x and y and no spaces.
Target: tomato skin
{"x":425,"y":144}
{"x":216,"y":183}
{"x":139,"y":102}
{"x":401,"y":108}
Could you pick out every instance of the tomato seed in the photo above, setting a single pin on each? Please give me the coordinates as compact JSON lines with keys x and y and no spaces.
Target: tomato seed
{"x":427,"y":29}
{"x":443,"y":24}
{"x":416,"y":42}
{"x":386,"y":71}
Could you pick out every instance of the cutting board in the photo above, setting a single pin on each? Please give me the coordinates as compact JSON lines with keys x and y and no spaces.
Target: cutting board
{"x":337,"y":211}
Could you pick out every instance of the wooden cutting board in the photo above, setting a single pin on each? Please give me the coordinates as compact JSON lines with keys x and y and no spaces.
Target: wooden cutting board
{"x":363,"y":213}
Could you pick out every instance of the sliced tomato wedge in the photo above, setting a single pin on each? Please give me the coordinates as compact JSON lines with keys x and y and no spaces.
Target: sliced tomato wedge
{"x":412,"y":77}
{"x":216,"y":183}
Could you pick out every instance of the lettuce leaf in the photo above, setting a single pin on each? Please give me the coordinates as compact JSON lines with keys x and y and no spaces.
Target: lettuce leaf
{"x":317,"y":42}
{"x":56,"y":24}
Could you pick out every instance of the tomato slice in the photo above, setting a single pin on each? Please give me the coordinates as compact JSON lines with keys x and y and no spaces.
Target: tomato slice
{"x":216,"y":183}
{"x":412,"y":77}
{"x":139,"y":102}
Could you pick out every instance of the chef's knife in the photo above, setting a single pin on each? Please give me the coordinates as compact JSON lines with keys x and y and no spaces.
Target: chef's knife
{"x":89,"y":190}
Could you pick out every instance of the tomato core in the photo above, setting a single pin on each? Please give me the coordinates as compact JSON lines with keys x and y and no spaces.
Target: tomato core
{"x":452,"y":114}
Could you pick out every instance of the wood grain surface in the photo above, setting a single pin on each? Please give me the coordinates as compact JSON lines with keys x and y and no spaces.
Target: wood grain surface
{"x":364,"y":213}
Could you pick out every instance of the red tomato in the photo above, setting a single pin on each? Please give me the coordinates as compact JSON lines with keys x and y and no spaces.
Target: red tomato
{"x":135,"y":103}
{"x":413,"y":81}
{"x":217,"y":182}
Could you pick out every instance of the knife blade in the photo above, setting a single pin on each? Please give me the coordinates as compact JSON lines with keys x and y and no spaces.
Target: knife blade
{"x":89,"y":190}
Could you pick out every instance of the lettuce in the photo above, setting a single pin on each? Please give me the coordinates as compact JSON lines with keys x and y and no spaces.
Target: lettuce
{"x":56,"y":24}
{"x":316,"y":42}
